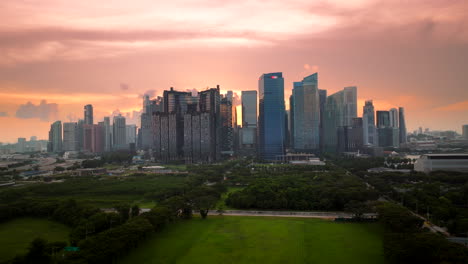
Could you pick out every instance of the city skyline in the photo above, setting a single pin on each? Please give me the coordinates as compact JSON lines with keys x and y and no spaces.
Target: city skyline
{"x":75,"y":53}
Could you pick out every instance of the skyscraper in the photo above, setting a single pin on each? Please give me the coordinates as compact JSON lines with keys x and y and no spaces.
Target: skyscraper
{"x":402,"y":124}
{"x":388,"y":136}
{"x":306,"y":114}
{"x":323,"y":103}
{"x":55,"y":137}
{"x":350,"y":105}
{"x":249,"y":121}
{"x":21,"y":145}
{"x":119,"y":133}
{"x":383,"y":119}
{"x":368,"y":120}
{"x":130,"y":134}
{"x":227,"y":146}
{"x":107,"y":134}
{"x":465,"y":132}
{"x":80,"y":134}
{"x":70,"y":136}
{"x":271,"y":134}
{"x":88,"y":114}
{"x":393,"y":117}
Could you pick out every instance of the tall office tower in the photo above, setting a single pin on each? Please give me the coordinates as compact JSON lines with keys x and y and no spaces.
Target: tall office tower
{"x":70,"y":136}
{"x":350,"y":105}
{"x":271,"y":132}
{"x":80,"y":134}
{"x":107,"y":134}
{"x":323,"y":103}
{"x":130,"y":134}
{"x":393,"y":117}
{"x":21,"y":145}
{"x":306,"y":114}
{"x":119,"y":133}
{"x":340,"y":110}
{"x":227,"y":147}
{"x":402,"y":124}
{"x":146,"y":103}
{"x":88,"y":114}
{"x":291,"y":120}
{"x":465,"y":132}
{"x":332,"y":119}
{"x":55,"y":137}
{"x":230,"y":96}
{"x":350,"y":138}
{"x":383,"y":119}
{"x":368,"y":123}
{"x":248,"y":139}
{"x":388,"y":136}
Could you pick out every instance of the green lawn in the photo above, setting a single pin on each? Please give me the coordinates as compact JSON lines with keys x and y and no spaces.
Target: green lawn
{"x":16,"y":235}
{"x":237,"y":239}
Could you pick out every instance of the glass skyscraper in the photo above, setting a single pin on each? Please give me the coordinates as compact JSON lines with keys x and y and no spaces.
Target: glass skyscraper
{"x":271,"y":119}
{"x":249,"y":118}
{"x":306,"y":114}
{"x":368,"y":120}
{"x":402,"y":123}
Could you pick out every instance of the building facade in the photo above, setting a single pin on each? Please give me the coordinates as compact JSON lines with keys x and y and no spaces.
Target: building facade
{"x":368,"y":123}
{"x":306,"y":114}
{"x":70,"y":136}
{"x":271,"y":123}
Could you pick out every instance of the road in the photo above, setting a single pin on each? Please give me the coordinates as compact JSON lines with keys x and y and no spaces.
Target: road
{"x":322,"y":215}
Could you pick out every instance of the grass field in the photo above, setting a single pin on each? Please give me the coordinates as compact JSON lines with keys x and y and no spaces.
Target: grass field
{"x":237,"y":239}
{"x":16,"y":235}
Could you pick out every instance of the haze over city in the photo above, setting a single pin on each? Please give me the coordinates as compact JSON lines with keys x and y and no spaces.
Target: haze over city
{"x":56,"y":56}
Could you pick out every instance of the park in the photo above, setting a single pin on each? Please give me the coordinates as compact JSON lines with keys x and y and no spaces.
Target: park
{"x":241,"y":239}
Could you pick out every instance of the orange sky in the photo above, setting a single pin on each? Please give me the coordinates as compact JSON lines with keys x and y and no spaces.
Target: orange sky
{"x":70,"y":53}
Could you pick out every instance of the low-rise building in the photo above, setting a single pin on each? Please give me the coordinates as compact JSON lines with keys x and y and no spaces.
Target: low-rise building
{"x":444,"y":162}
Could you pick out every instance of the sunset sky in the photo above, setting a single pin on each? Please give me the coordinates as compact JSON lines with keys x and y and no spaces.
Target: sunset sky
{"x":58,"y":55}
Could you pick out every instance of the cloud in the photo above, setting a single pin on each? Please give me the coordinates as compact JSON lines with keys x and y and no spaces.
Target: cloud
{"x":460,"y":106}
{"x":43,"y":111}
{"x":124,"y":86}
{"x":151,"y":93}
{"x":3,"y":114}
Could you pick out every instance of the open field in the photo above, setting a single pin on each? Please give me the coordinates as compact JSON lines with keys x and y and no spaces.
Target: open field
{"x":16,"y":235}
{"x":238,"y":239}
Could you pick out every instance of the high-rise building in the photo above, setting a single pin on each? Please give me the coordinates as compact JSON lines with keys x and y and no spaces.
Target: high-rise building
{"x":271,"y":134}
{"x":21,"y":145}
{"x":388,"y":136}
{"x":119,"y":133}
{"x":340,"y":110}
{"x":55,"y":137}
{"x":248,"y":139}
{"x":98,"y":137}
{"x":130,"y":134}
{"x":175,"y":101}
{"x":87,"y":137}
{"x":402,"y":125}
{"x":323,"y":103}
{"x":291,"y":119}
{"x":167,"y":143}
{"x":383,"y":119}
{"x":80,"y":134}
{"x":465,"y":132}
{"x":88,"y":114}
{"x":209,"y":102}
{"x":306,"y":114}
{"x":368,"y":123}
{"x":107,"y":134}
{"x":227,"y":146}
{"x":70,"y":136}
{"x":350,"y":105}
{"x":350,"y":138}
{"x":393,"y":117}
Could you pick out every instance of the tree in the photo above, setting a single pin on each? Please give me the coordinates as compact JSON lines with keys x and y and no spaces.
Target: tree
{"x":37,"y":252}
{"x":357,"y":208}
{"x":135,"y":210}
{"x":124,"y":211}
{"x":204,"y":203}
